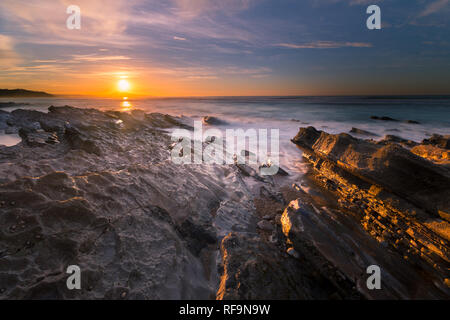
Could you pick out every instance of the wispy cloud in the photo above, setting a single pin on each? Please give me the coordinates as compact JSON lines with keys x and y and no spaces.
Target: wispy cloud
{"x":8,"y":55}
{"x":95,"y":58}
{"x":364,"y":2}
{"x":163,"y":42}
{"x":349,"y":2}
{"x":435,"y":7}
{"x":44,"y":22}
{"x":324,"y":45}
{"x":190,"y":9}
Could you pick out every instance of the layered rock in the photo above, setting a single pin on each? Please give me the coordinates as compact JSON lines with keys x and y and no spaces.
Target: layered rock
{"x":400,"y":199}
{"x":390,"y":166}
{"x":438,"y":141}
{"x":255,"y":269}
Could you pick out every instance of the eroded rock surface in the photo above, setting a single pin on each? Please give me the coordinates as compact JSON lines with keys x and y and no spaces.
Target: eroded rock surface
{"x":98,"y":190}
{"x":399,"y":198}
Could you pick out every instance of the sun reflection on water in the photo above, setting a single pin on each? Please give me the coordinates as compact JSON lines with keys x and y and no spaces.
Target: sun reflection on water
{"x":126,"y":105}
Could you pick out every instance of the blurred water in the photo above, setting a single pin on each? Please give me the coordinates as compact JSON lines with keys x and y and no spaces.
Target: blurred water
{"x":331,"y":114}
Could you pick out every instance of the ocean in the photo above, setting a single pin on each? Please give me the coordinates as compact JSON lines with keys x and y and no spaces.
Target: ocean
{"x":288,"y":114}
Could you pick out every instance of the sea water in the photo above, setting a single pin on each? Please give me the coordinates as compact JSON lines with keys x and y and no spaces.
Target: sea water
{"x":288,"y":114}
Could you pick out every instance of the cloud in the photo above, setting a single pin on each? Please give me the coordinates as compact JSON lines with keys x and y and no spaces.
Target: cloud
{"x":44,"y":22}
{"x":193,"y":8}
{"x":351,"y":2}
{"x":325,"y":45}
{"x":364,"y":2}
{"x":107,"y":24}
{"x":8,"y":56}
{"x":434,"y":7}
{"x":95,"y":58}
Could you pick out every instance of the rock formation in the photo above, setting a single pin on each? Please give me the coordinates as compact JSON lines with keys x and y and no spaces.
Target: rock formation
{"x":401,"y":199}
{"x":98,"y":190}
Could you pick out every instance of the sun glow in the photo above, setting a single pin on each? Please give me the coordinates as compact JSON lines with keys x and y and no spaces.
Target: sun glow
{"x":126,"y":106}
{"x":123,"y":85}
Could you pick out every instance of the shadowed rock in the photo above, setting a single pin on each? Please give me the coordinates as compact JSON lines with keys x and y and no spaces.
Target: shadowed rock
{"x":394,"y":168}
{"x":433,"y":153}
{"x":253,"y":269}
{"x":384,"y":118}
{"x":438,"y":141}
{"x":403,"y":199}
{"x":210,"y":120}
{"x":108,"y":199}
{"x":362,"y":132}
{"x":389,"y":138}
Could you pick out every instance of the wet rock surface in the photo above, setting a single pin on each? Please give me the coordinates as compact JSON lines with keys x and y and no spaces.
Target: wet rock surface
{"x":210,"y":120}
{"x":383,"y":118}
{"x":255,"y":269}
{"x":399,"y":198}
{"x":432,"y":153}
{"x":362,"y":132}
{"x":99,"y":190}
{"x":438,"y":141}
{"x":391,"y":167}
{"x":396,"y":139}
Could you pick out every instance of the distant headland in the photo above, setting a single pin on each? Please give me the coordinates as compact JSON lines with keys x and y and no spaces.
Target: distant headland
{"x":23,"y":93}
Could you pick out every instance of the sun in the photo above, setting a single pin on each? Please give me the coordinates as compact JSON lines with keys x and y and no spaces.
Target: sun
{"x":123,"y":85}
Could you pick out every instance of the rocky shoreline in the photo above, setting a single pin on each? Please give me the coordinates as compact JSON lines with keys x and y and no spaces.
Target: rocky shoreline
{"x":98,"y":190}
{"x":400,"y":196}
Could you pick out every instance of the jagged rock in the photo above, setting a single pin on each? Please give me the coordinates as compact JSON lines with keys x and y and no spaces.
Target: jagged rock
{"x":362,"y":132}
{"x":438,"y":141}
{"x":403,"y":199}
{"x":265,"y":225}
{"x":389,"y":138}
{"x":78,"y":140}
{"x":107,"y":199}
{"x":412,"y":122}
{"x":160,"y":120}
{"x":291,"y":251}
{"x":38,"y":138}
{"x":197,"y":236}
{"x":11,"y":130}
{"x":384,"y":118}
{"x":433,"y":153}
{"x":253,"y":269}
{"x":210,"y":120}
{"x":311,"y":231}
{"x":7,"y":104}
{"x":390,"y":166}
{"x":26,"y":119}
{"x":280,"y":171}
{"x":4,"y":117}
{"x":246,"y":153}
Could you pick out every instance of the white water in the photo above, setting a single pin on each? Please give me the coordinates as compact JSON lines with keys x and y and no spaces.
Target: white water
{"x":331,"y":114}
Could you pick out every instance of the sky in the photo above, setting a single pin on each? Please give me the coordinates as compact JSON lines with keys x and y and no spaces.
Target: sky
{"x":226,"y":47}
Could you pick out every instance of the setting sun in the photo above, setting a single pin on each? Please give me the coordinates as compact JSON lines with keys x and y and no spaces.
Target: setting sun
{"x":123,"y":85}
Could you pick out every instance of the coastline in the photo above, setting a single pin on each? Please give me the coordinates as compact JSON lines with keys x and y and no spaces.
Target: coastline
{"x":95,"y":188}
